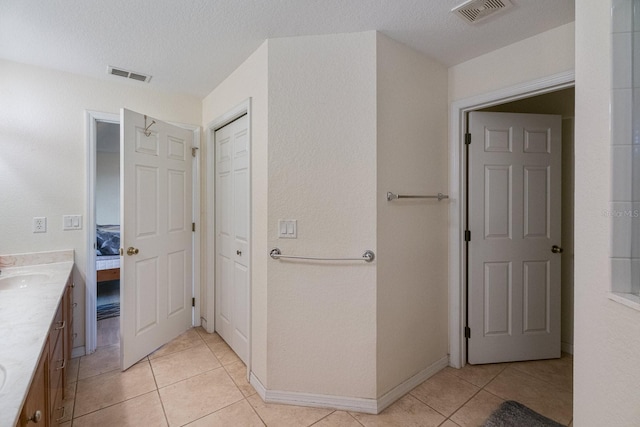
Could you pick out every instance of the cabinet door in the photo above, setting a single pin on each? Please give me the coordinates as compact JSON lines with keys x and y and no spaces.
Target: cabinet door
{"x":35,"y":411}
{"x":68,"y":332}
{"x":57,"y":370}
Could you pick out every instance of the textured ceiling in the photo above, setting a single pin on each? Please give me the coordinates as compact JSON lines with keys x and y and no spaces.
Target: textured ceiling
{"x":190,"y":46}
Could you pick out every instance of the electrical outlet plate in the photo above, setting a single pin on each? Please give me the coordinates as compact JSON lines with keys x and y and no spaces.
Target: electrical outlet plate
{"x":40,"y":224}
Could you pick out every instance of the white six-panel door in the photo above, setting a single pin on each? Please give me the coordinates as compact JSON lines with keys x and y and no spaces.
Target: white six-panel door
{"x":514,"y":220}
{"x":232,"y":235}
{"x":156,"y":277}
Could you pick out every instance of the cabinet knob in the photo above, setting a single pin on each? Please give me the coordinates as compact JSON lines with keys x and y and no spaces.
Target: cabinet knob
{"x":36,"y":417}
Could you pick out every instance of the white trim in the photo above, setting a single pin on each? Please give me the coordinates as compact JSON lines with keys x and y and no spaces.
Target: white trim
{"x":628,"y":299}
{"x":197,"y":254}
{"x":566,"y":347}
{"x":90,"y":276}
{"x":405,"y":387}
{"x":257,"y":385}
{"x":457,"y":299}
{"x":195,"y":208}
{"x":78,"y":352}
{"x":209,"y":322}
{"x":345,"y":403}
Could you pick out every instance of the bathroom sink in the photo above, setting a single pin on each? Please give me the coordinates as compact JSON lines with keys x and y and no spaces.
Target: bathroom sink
{"x":21,"y":281}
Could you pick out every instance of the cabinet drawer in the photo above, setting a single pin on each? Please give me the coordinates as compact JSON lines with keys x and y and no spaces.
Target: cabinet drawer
{"x":57,"y":328}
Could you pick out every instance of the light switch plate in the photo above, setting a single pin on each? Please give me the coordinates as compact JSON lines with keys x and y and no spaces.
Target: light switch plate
{"x":72,"y":222}
{"x":288,"y":229}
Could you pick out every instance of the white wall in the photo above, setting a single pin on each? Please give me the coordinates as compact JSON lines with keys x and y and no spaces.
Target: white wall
{"x":107,"y":188}
{"x":247,"y":81}
{"x":539,"y":56}
{"x":607,"y":334}
{"x":43,"y":156}
{"x":322,"y":172}
{"x":412,"y":236}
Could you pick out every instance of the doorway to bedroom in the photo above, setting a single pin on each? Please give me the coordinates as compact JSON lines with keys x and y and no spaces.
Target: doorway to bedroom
{"x":107,"y":214}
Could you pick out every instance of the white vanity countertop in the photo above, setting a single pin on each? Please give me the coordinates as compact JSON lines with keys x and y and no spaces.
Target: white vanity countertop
{"x":26,"y":314}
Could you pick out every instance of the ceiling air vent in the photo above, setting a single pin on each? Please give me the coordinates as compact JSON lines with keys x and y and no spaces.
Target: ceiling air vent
{"x":476,"y":10}
{"x":128,"y":74}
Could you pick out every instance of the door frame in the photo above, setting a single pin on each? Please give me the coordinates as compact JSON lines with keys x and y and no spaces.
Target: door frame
{"x":457,"y":194}
{"x":91,"y":289}
{"x":209,"y":323}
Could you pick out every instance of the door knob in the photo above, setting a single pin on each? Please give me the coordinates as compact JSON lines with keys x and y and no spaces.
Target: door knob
{"x":132,"y":251}
{"x":238,"y":252}
{"x":556,"y":249}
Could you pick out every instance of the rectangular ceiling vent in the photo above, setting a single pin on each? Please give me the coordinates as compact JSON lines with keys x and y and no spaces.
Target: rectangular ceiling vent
{"x":474,"y":11}
{"x":128,"y":74}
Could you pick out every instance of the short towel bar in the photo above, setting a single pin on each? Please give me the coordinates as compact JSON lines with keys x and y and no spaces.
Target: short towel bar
{"x":391,"y":196}
{"x":367,"y":256}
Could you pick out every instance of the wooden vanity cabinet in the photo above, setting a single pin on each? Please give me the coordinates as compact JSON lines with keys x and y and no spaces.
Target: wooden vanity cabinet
{"x":47,"y":389}
{"x":57,"y":365}
{"x":35,"y":410}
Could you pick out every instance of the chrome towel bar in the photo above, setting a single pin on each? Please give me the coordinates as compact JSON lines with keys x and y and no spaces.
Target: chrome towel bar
{"x":367,"y":256}
{"x":391,"y":196}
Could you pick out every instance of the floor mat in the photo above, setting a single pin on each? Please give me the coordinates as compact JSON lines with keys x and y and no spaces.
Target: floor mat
{"x":514,"y":414}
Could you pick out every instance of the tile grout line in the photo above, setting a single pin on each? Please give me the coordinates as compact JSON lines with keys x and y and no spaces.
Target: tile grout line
{"x":357,"y":420}
{"x":109,"y":406}
{"x":322,"y":418}
{"x":164,"y":411}
{"x":541,"y":379}
{"x":255,"y":411}
{"x":448,"y":418}
{"x":214,"y":412}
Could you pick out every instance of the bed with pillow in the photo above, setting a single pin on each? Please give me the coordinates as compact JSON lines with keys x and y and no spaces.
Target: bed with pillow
{"x":107,"y":252}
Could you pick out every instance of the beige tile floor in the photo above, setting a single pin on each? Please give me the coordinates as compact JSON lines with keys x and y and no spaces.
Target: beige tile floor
{"x":197,"y":380}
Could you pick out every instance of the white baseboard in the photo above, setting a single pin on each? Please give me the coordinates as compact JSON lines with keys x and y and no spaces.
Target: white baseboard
{"x":78,"y":351}
{"x":400,"y":390}
{"x":344,"y":403}
{"x":255,"y":382}
{"x":566,"y":347}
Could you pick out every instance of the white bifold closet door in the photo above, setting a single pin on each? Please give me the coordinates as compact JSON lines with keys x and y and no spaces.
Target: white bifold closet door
{"x":232,"y":235}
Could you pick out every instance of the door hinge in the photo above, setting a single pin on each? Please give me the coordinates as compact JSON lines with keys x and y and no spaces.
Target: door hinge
{"x":193,"y":226}
{"x":121,"y":251}
{"x":193,"y":302}
{"x":193,"y":151}
{"x":467,"y":332}
{"x":467,"y":235}
{"x":467,"y":138}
